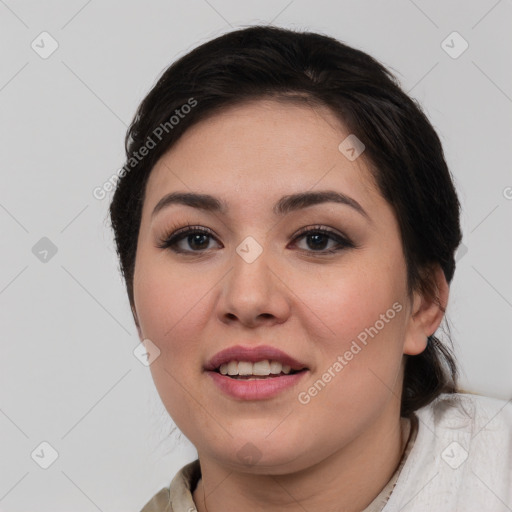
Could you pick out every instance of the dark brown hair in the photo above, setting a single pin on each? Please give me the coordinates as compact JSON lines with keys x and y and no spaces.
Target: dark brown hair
{"x":403,"y":150}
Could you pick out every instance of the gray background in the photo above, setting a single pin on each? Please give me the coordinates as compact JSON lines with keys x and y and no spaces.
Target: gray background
{"x":68,"y":374}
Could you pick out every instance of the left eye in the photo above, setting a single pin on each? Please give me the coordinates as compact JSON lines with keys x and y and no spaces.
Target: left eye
{"x":198,"y":239}
{"x":320,"y":236}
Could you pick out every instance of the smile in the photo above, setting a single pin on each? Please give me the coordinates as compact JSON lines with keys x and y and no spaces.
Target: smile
{"x":251,"y":387}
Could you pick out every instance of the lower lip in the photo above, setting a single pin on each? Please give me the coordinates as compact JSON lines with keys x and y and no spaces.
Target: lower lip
{"x":259,"y":389}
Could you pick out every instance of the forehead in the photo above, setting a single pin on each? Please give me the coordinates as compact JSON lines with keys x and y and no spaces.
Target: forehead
{"x":262,"y":150}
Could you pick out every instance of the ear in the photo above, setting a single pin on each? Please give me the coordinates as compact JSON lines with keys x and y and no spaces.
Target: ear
{"x":427,"y":312}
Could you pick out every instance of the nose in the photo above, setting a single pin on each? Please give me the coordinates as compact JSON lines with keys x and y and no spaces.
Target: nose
{"x":254,"y":292}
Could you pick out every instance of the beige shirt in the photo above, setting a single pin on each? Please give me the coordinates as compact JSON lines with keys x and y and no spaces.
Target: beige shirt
{"x":178,"y":496}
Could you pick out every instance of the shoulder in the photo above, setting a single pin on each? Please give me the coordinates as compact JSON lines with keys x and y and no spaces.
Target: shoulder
{"x":177,"y":497}
{"x":469,"y":413}
{"x":462,"y":457}
{"x":469,"y":426}
{"x":159,"y":502}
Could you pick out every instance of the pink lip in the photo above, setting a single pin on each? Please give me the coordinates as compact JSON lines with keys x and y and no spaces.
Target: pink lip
{"x":255,"y":389}
{"x":252,"y":354}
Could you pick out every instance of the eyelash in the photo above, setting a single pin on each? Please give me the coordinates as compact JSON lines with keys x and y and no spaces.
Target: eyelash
{"x":175,"y":235}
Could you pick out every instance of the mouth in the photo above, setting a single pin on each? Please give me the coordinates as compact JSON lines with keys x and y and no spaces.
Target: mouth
{"x":255,"y":361}
{"x":255,"y":372}
{"x":244,"y":383}
{"x":273,"y":372}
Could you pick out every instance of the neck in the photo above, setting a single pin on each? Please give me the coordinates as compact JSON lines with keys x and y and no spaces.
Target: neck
{"x":347,"y":480}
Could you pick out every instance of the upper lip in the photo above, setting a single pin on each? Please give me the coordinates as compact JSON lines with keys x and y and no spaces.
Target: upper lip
{"x":252,"y":354}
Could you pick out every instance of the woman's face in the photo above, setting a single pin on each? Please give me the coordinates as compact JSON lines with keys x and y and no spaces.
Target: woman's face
{"x":256,"y":279}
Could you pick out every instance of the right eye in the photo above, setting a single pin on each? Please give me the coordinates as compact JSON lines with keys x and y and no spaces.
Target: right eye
{"x":194,"y":236}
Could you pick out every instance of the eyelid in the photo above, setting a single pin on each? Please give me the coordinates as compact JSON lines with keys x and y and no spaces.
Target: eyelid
{"x":332,"y":233}
{"x":319,"y":227}
{"x":175,"y":234}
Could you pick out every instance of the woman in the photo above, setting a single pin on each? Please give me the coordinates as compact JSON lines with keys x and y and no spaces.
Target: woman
{"x":286,"y":226}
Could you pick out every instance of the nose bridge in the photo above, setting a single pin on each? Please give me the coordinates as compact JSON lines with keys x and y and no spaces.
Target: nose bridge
{"x":251,"y":272}
{"x":251,"y":289}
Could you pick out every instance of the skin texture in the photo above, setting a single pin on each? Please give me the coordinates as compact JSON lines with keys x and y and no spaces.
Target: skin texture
{"x":339,"y":450}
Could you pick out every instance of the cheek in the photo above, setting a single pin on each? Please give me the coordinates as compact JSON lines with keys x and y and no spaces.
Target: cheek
{"x":169,"y":306}
{"x":169,"y":300}
{"x":171,"y":314}
{"x":352,"y":301}
{"x":360,"y":334}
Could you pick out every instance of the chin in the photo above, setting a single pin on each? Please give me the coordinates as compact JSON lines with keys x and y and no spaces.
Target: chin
{"x":258,"y":455}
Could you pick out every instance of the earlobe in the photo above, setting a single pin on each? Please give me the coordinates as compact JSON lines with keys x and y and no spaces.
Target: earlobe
{"x":427,"y":313}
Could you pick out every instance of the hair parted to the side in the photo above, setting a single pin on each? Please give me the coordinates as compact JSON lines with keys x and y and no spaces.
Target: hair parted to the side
{"x":403,"y":152}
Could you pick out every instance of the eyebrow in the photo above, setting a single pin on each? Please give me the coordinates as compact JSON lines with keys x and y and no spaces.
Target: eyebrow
{"x":285,"y":205}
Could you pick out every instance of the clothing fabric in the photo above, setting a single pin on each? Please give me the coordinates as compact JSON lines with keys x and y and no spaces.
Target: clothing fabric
{"x":458,"y":459}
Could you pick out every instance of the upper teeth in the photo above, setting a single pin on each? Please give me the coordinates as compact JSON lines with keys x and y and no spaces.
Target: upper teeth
{"x":265,"y":367}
